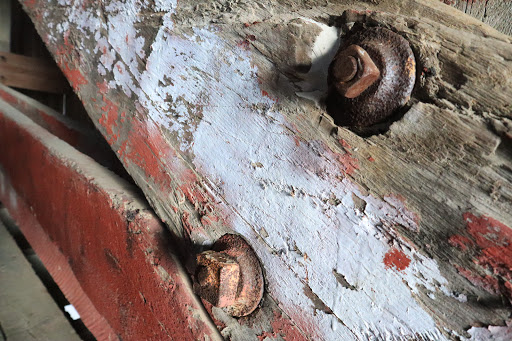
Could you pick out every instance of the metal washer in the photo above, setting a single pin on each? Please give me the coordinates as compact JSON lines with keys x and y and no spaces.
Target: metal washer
{"x":393,"y":55}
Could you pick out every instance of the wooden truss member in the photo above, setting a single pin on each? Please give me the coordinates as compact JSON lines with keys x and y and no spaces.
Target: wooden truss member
{"x":216,"y":111}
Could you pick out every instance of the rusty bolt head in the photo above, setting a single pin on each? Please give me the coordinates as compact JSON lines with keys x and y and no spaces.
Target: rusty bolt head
{"x":230,"y":276}
{"x":354,"y":71}
{"x":345,"y":68}
{"x":359,"y":103}
{"x":218,"y":276}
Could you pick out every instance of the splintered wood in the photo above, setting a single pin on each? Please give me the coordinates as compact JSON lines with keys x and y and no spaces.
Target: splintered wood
{"x":215,"y":109}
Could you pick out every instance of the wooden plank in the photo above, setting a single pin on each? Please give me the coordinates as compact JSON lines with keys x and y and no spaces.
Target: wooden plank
{"x":87,"y":141}
{"x":30,"y":73}
{"x":495,"y":13}
{"x":210,"y":109}
{"x":102,"y":245}
{"x":5,"y":25}
{"x":27,"y":311}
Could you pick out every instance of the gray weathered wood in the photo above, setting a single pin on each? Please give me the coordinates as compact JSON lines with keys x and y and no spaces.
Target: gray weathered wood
{"x":5,"y":25}
{"x":495,"y":13}
{"x":27,"y":311}
{"x":216,"y":110}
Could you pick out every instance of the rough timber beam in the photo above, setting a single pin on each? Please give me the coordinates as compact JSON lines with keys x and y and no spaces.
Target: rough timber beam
{"x":105,"y":249}
{"x":215,"y":110}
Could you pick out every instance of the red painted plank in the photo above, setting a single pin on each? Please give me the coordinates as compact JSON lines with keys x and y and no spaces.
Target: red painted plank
{"x":86,"y":141}
{"x":127,"y":284}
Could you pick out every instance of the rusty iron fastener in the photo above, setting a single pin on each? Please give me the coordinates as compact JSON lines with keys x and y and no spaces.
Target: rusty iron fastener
{"x":354,"y":71}
{"x":229,"y":276}
{"x":364,"y":97}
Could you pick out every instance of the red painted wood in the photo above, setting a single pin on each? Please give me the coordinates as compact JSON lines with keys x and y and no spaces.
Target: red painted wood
{"x":71,"y":208}
{"x":86,"y":141}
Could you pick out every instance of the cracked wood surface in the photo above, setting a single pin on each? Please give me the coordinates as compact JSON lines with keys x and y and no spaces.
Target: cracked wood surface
{"x":215,"y":109}
{"x":495,"y":13}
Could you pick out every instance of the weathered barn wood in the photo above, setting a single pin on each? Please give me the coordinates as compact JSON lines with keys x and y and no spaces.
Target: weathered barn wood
{"x":216,"y":110}
{"x":31,"y":73}
{"x":495,"y":13}
{"x":28,"y":311}
{"x":87,"y":141}
{"x":105,"y":249}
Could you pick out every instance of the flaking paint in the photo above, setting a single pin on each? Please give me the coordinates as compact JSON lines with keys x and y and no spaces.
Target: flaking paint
{"x":321,"y":208}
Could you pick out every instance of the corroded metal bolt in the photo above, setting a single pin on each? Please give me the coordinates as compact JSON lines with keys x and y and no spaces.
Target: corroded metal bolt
{"x":354,"y":71}
{"x":382,"y":84}
{"x":218,"y":276}
{"x":345,"y":69}
{"x":229,"y":276}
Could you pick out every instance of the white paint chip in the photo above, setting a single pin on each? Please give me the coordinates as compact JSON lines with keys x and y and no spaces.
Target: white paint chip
{"x":70,"y":309}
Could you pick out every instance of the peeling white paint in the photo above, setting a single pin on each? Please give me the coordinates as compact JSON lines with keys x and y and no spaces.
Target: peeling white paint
{"x":296,"y":197}
{"x":314,"y":86}
{"x":494,"y":333}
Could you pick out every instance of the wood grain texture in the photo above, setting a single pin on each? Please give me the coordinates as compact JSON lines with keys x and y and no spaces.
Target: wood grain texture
{"x":88,"y":141}
{"x":27,"y":311}
{"x":495,"y":13}
{"x":30,"y":73}
{"x":108,"y":253}
{"x":216,"y":110}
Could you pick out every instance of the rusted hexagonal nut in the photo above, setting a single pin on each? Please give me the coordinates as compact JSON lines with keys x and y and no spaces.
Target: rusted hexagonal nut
{"x":354,"y":71}
{"x":230,"y":276}
{"x":392,"y":54}
{"x":217,"y":278}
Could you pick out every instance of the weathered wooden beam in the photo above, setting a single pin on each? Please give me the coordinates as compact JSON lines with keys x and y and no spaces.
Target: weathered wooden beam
{"x":31,"y":73}
{"x":216,"y":110}
{"x":108,"y":253}
{"x":88,"y":141}
{"x":495,"y":13}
